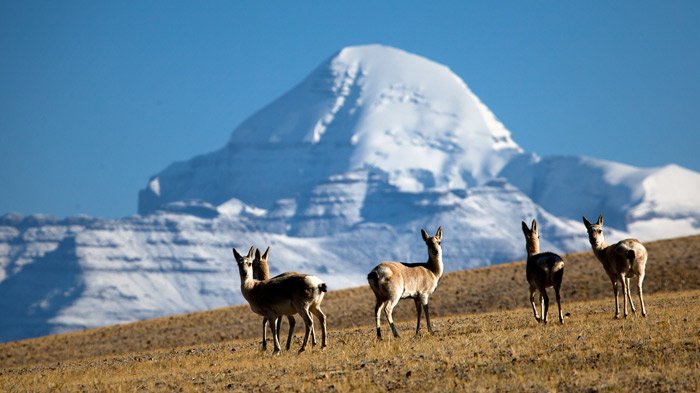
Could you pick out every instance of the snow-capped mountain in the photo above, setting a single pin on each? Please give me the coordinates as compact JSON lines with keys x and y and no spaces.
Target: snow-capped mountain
{"x":651,"y":203}
{"x":336,"y":175}
{"x":367,"y":107}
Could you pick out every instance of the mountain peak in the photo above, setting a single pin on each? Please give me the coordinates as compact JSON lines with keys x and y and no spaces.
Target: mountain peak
{"x":366,"y":107}
{"x":364,"y":80}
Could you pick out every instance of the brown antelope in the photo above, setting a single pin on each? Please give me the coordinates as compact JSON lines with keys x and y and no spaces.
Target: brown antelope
{"x":543,"y":270}
{"x":621,"y":261}
{"x":290,"y":294}
{"x":261,"y":271}
{"x":392,"y":281}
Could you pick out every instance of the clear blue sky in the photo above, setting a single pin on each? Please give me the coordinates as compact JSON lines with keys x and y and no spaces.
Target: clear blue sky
{"x":97,"y":96}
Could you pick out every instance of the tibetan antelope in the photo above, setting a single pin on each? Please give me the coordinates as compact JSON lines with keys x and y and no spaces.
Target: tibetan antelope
{"x":290,"y":294}
{"x":261,"y":271}
{"x":392,"y":281}
{"x":621,"y":261}
{"x":543,"y":270}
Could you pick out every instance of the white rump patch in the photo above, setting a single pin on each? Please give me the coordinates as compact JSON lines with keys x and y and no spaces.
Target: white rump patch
{"x":384,"y":272}
{"x":313,"y":281}
{"x":558,"y":266}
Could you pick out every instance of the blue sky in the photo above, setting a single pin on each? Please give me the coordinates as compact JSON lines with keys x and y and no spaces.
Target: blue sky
{"x":97,"y":96}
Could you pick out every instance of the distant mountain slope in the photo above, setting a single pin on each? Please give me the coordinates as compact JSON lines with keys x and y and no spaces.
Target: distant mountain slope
{"x":66,"y":274}
{"x":651,"y":203}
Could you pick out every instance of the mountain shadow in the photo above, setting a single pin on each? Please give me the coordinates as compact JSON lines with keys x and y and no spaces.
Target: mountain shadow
{"x":31,"y":298}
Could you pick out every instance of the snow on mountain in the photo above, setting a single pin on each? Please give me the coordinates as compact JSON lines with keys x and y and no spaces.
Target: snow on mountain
{"x":336,"y":175}
{"x":650,"y":203}
{"x":63,"y":275}
{"x":367,"y":107}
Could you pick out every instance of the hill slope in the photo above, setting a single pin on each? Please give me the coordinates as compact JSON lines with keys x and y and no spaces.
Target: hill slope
{"x":495,"y":351}
{"x":672,"y":267}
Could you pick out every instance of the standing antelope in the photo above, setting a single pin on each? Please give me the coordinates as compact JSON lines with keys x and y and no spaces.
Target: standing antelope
{"x":261,"y":271}
{"x":621,"y":261}
{"x":543,"y":270}
{"x":392,"y":281}
{"x":290,"y":294}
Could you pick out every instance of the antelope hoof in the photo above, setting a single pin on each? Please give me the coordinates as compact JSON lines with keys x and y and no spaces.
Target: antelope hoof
{"x":396,"y":332}
{"x":276,"y":352}
{"x":301,"y":350}
{"x":644,"y":314}
{"x":617,"y":316}
{"x":561,"y":321}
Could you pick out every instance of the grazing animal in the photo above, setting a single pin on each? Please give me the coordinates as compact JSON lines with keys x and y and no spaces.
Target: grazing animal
{"x":621,"y":261}
{"x":261,"y":271}
{"x":392,"y":281}
{"x":290,"y":294}
{"x":543,"y":270}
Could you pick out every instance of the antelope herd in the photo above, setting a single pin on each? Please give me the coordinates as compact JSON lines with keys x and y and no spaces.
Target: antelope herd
{"x":294,"y":293}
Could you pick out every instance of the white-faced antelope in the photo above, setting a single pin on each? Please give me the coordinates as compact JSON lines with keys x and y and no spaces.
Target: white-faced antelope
{"x":392,"y":281}
{"x":543,"y":270}
{"x":621,"y":261}
{"x":261,"y":271}
{"x":290,"y":294}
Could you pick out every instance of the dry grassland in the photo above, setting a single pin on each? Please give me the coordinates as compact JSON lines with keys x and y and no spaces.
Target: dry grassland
{"x":478,"y":347}
{"x":500,"y":350}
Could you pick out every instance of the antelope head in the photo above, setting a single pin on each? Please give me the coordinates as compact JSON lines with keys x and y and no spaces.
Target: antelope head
{"x":532,"y":238}
{"x":261,"y":270}
{"x":245,"y":264}
{"x":433,"y":242}
{"x":595,"y":231}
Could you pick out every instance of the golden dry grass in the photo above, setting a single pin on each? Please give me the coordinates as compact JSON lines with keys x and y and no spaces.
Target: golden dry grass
{"x":499,"y":350}
{"x":478,"y":347}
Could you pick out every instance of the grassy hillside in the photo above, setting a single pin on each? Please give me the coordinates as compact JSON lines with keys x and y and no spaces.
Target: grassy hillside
{"x":476,"y":345}
{"x":498,"y":350}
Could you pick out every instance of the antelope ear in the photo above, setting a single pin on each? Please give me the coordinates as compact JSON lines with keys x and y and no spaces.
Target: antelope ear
{"x":237,"y":255}
{"x":526,"y":230}
{"x":250,"y":252}
{"x":266,"y":254}
{"x":534,"y":225}
{"x":438,"y":234}
{"x":424,"y":234}
{"x":586,"y":222}
{"x":257,"y":254}
{"x":600,"y":219}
